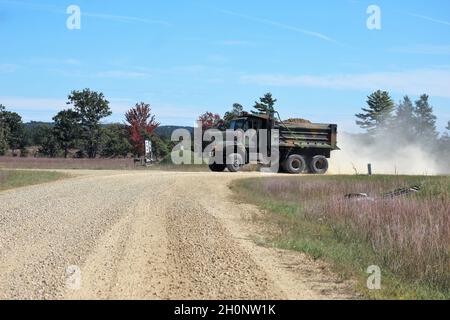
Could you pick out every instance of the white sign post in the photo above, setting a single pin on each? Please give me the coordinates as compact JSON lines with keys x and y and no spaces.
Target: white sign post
{"x":148,"y":152}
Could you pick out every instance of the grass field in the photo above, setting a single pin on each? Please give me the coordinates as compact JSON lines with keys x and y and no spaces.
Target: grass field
{"x":10,"y":179}
{"x":407,"y":237}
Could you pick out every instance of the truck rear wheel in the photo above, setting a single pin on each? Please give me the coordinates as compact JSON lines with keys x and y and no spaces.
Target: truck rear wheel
{"x":217,"y":167}
{"x":318,"y":165}
{"x":294,"y":164}
{"x":234,"y":162}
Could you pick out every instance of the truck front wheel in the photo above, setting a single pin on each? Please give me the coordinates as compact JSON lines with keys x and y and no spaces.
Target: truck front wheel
{"x":294,"y":164}
{"x":234,"y":162}
{"x":318,"y":165}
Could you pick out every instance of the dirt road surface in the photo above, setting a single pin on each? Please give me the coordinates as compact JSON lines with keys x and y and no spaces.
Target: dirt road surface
{"x":146,"y":235}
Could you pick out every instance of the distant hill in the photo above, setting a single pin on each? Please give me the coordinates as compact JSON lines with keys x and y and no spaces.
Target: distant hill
{"x":34,"y":124}
{"x":165,"y":132}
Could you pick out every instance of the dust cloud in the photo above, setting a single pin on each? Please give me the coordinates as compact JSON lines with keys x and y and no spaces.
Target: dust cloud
{"x":387,"y":156}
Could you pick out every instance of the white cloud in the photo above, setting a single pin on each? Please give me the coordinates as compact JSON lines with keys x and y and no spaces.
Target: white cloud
{"x":32,"y":104}
{"x":54,"y":104}
{"x":435,"y":82}
{"x":32,"y":107}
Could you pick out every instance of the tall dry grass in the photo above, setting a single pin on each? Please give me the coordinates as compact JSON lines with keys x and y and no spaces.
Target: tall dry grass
{"x":409,"y":235}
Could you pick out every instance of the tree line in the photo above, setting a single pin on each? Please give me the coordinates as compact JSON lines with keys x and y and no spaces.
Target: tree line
{"x":406,"y":123}
{"x":265,"y":105}
{"x":78,"y":130}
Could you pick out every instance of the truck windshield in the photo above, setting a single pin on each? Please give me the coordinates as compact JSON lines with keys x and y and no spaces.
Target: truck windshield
{"x":238,"y":124}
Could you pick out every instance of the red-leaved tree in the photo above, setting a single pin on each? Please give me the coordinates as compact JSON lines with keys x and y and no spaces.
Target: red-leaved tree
{"x":140,"y":125}
{"x":210,"y":120}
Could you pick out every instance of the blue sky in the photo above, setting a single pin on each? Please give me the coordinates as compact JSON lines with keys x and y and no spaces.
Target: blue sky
{"x":318,"y":58}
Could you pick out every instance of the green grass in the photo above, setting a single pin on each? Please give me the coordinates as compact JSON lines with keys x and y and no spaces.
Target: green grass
{"x":310,"y":215}
{"x":10,"y":179}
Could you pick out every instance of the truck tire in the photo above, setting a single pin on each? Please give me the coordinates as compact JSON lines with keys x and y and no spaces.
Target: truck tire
{"x":234,"y":162}
{"x":318,"y":165}
{"x":294,"y":164}
{"x":217,"y":167}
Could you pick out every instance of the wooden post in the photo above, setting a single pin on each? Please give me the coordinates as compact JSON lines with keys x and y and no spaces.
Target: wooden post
{"x":369,"y":169}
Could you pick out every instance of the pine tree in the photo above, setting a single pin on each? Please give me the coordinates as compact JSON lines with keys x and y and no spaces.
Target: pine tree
{"x":265,"y":105}
{"x":404,"y":118}
{"x":425,"y":124}
{"x":444,"y":146}
{"x":378,"y":115}
{"x":235,"y":112}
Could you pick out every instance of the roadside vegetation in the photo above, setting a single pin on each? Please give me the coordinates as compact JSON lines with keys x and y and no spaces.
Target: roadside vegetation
{"x":95,"y":164}
{"x":408,"y":237}
{"x":10,"y":179}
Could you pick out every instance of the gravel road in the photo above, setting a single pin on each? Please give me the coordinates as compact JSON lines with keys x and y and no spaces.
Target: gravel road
{"x":146,"y":235}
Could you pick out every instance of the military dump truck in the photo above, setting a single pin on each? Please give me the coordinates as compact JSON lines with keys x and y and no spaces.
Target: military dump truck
{"x":303,"y":147}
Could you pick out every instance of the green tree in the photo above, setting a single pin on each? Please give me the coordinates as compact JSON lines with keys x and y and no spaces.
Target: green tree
{"x":425,"y":124}
{"x":266,"y":104}
{"x":378,"y":115}
{"x":67,"y":129}
{"x":91,"y":107}
{"x":235,"y":112}
{"x":404,"y":119}
{"x":15,"y":136}
{"x":161,"y":148}
{"x":49,"y":145}
{"x":32,"y":131}
{"x":444,"y":147}
{"x":115,"y":141}
{"x":3,"y":131}
{"x":40,"y":134}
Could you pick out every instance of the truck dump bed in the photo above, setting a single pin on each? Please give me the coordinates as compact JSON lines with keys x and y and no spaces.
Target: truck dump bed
{"x":307,"y":135}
